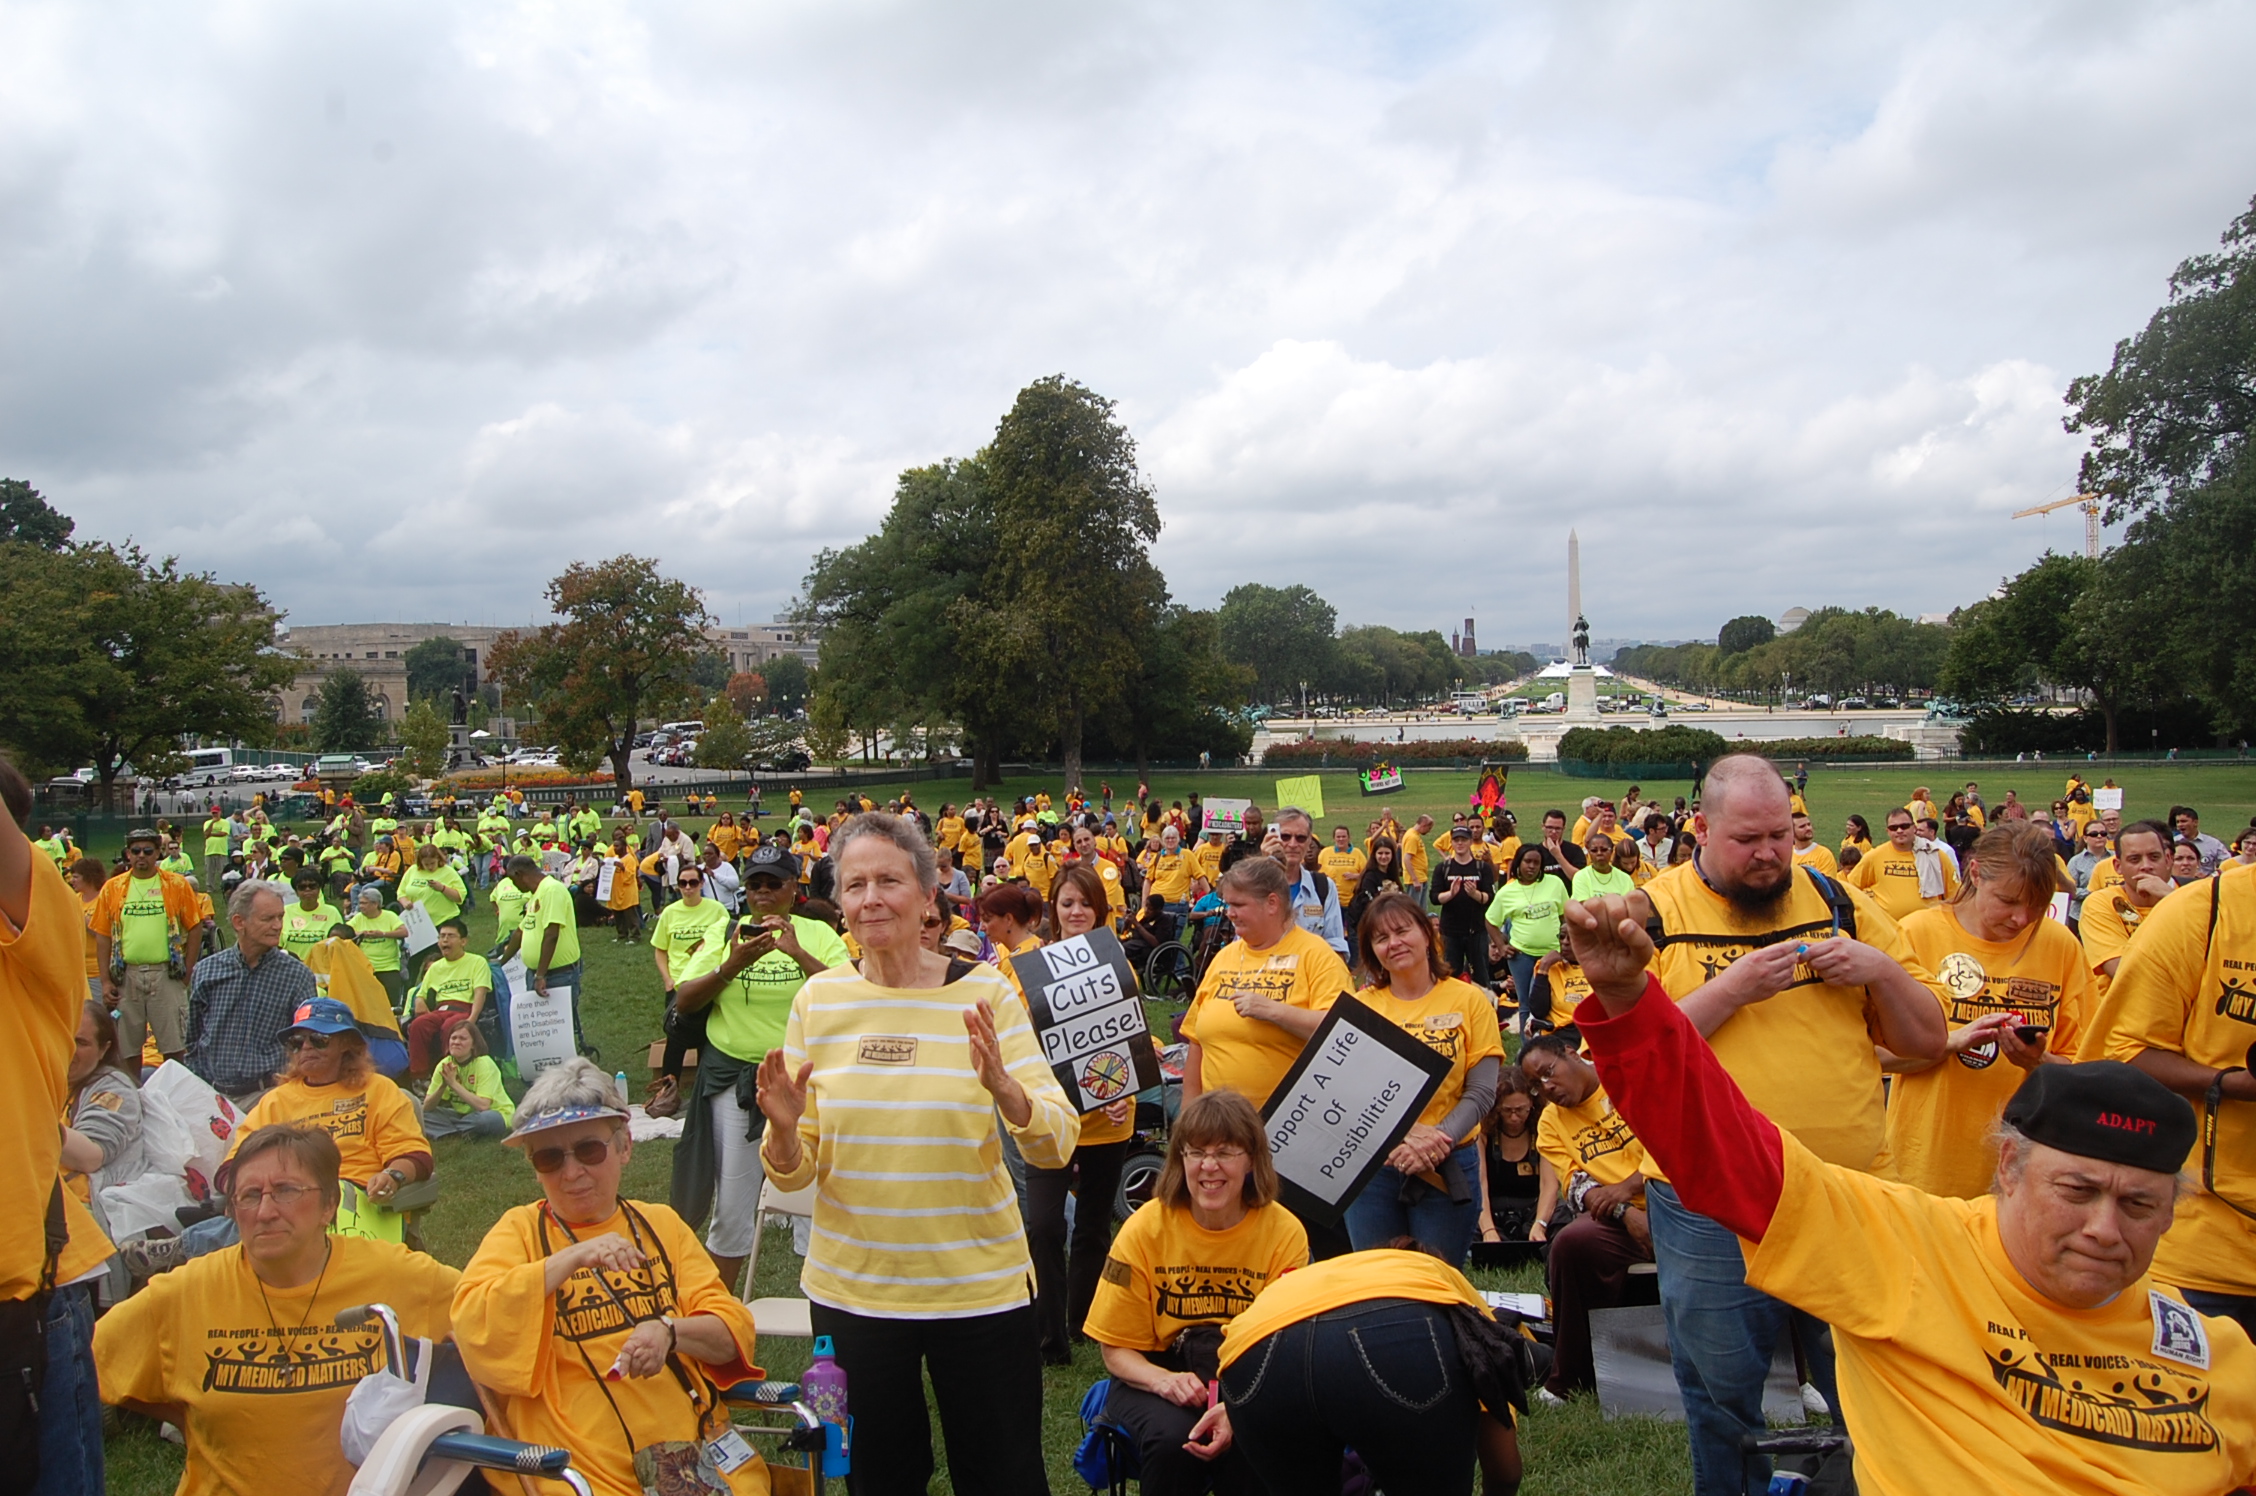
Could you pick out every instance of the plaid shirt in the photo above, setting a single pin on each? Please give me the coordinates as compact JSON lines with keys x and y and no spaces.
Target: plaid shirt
{"x":237,"y":1014}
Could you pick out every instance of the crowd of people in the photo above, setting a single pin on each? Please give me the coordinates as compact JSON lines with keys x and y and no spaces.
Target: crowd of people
{"x":1958,"y":1115}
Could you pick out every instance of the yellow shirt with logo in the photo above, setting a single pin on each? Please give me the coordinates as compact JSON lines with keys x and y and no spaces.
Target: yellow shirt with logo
{"x":1891,"y":876}
{"x":263,"y":1372}
{"x":543,"y":1355}
{"x":1939,"y":1119}
{"x":371,"y":1125}
{"x":2187,"y":988}
{"x":1167,"y":874}
{"x":303,"y":928}
{"x":2107,"y":924}
{"x":1415,"y":859}
{"x":1206,"y":861}
{"x":1358,"y":1277}
{"x":1455,"y":1020}
{"x":1591,"y":1139}
{"x":1805,"y":1057}
{"x":1247,"y":1054}
{"x":1166,"y":1272}
{"x":1950,"y":1362}
{"x":1815,"y":855}
{"x":1341,"y":867}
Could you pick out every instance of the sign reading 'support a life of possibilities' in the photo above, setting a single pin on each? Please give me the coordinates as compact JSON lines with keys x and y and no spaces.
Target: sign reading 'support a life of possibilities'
{"x":1089,"y":1017}
{"x":1356,"y":1088}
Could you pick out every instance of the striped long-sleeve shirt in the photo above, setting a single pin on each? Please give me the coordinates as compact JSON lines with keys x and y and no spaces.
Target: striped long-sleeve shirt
{"x":915,"y":1217}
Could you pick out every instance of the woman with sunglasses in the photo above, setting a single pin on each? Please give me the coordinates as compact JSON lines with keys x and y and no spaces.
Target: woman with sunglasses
{"x":1190,"y":1260}
{"x":329,"y":1082}
{"x":598,"y":1324}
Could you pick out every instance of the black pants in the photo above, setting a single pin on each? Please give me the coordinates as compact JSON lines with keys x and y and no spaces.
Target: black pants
{"x":2240,"y":1308}
{"x":1467,"y":953}
{"x":1159,"y":1428}
{"x":1384,"y":1376}
{"x":1064,"y":1288}
{"x":986,"y":1377}
{"x":1588,"y":1268}
{"x":684,"y":1032}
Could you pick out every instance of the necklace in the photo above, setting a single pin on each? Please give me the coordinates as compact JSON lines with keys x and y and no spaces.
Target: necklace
{"x":328,"y":1252}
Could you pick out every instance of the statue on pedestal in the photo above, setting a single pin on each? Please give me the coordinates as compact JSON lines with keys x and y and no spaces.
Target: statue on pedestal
{"x":1581,"y":640}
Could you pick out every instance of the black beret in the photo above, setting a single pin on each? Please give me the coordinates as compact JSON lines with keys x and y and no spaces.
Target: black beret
{"x":2107,"y":1110}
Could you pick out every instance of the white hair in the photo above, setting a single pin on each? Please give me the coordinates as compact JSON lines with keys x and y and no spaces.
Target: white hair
{"x":246,"y":892}
{"x":894,"y":831}
{"x":575,"y":1082}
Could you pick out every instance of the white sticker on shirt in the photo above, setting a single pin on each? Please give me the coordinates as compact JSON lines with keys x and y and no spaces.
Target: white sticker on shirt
{"x":2179,"y":1334}
{"x":729,"y":1453}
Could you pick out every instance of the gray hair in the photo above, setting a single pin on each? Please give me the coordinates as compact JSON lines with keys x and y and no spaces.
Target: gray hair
{"x":574,"y":1082}
{"x":895,"y":832}
{"x":369,"y":891}
{"x":2011,"y":1169}
{"x":1292,"y":813}
{"x":519,"y":863}
{"x":246,"y":893}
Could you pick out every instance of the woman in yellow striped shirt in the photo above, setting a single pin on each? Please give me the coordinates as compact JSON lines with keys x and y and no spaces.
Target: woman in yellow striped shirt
{"x":884,"y":1095}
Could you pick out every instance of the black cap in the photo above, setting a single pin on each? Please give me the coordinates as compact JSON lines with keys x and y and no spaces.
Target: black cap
{"x":771,"y":858}
{"x":2107,"y":1110}
{"x":1461,"y":830}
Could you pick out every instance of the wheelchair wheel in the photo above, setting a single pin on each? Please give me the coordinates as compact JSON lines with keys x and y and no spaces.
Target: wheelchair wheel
{"x":1168,"y":973}
{"x":1139,"y":1177}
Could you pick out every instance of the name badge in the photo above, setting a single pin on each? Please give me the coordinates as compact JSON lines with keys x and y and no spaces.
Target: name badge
{"x":886,"y":1049}
{"x":2178,"y":1332}
{"x":729,"y":1453}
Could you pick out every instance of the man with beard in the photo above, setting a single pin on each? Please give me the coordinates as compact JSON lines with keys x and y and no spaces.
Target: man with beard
{"x":1792,"y":977}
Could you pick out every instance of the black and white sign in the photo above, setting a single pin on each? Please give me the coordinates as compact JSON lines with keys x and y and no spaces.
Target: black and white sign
{"x":1089,"y":1018}
{"x":1343,"y":1106}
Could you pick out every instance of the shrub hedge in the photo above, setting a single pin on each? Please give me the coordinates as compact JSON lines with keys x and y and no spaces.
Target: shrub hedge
{"x":1341,"y":751}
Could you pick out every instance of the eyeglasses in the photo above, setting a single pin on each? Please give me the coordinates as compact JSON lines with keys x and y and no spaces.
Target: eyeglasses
{"x":691,"y":882}
{"x":932,"y":924}
{"x":589,"y":1151}
{"x":283,"y":1195}
{"x":295,"y":1042}
{"x":1294,"y":836}
{"x":1899,"y":825}
{"x":1195,"y":1156}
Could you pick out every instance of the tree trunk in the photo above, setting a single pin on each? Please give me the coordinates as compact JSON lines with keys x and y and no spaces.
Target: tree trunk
{"x":978,"y":749}
{"x":2107,"y":713}
{"x":1072,"y":742}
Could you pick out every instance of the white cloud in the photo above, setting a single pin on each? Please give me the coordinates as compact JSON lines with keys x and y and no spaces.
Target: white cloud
{"x":396,"y":312}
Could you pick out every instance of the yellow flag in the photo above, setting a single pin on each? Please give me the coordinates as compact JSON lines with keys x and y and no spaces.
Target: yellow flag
{"x":1307,"y":792}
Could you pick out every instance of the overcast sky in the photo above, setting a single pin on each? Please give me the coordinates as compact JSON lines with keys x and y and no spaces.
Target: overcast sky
{"x":395,"y":310}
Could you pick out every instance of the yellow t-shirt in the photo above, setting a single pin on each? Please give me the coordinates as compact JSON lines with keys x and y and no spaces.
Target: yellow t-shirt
{"x":1247,"y":1054}
{"x":682,"y":930}
{"x":1167,"y":874}
{"x":1949,"y":1361}
{"x":2107,"y":924}
{"x":1591,"y":1139}
{"x":263,"y":1372}
{"x":1166,"y":1272}
{"x":1939,"y":1119}
{"x":1804,"y":1058}
{"x":1815,"y":855}
{"x":1455,"y":1020}
{"x":1320,"y":1287}
{"x":41,"y":993}
{"x":303,"y":928}
{"x":1206,"y":861}
{"x":371,"y":1126}
{"x":543,"y":1355}
{"x":1414,"y":857}
{"x":2105,"y":873}
{"x":1341,"y":867}
{"x":1892,"y":877}
{"x":2190,"y":990}
{"x":949,"y":831}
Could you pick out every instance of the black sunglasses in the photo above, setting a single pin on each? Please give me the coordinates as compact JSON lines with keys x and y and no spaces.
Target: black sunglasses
{"x":589,"y":1151}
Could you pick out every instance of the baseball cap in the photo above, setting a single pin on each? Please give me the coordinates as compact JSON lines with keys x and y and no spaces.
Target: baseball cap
{"x":1462,"y":830}
{"x":323,"y":1015}
{"x":2105,"y":1109}
{"x":771,"y":859}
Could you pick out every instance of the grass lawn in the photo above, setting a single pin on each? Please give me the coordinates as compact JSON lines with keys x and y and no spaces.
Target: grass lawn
{"x":1569,"y":1451}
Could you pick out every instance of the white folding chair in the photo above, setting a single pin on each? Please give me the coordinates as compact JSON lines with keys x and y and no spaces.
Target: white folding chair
{"x":786,"y":1316}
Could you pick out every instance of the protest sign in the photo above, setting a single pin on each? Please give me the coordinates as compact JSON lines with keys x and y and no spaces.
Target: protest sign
{"x":1225,"y":815}
{"x":1307,"y":792}
{"x":2107,"y":799}
{"x":603,"y":881}
{"x":1346,"y":1102}
{"x":1089,"y":1018}
{"x":1379,"y":779}
{"x":422,"y":930}
{"x":540,"y":1027}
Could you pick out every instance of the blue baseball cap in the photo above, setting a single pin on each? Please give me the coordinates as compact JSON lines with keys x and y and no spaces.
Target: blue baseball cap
{"x":323,"y":1015}
{"x":563,"y":1116}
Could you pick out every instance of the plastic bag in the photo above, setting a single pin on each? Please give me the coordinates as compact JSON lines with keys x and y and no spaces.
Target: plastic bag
{"x":164,"y":1137}
{"x":207,"y":1118}
{"x":142,"y":1205}
{"x":379,"y":1399}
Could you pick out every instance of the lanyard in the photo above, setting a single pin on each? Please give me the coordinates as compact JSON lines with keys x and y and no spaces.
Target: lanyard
{"x":652,"y":1251}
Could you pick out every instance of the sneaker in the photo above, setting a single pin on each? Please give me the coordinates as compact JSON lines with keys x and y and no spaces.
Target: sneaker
{"x":152,"y":1255}
{"x":1545,"y":1397}
{"x":1813,"y":1402}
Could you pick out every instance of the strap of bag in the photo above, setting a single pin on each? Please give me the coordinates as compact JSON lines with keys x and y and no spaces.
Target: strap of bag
{"x":58,"y":1236}
{"x":2209,"y":1106}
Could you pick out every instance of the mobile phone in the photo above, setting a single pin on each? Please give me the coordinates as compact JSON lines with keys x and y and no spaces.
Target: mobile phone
{"x":2030,"y":1034}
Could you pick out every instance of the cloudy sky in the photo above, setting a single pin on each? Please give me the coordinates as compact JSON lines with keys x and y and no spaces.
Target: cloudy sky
{"x":396,"y":310}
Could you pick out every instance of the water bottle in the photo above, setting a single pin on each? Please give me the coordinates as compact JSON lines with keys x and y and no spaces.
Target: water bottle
{"x":626,"y":1097}
{"x":824,"y":1384}
{"x":1788,"y":1483}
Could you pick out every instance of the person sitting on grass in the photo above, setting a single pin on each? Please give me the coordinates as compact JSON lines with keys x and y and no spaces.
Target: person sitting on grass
{"x":1190,"y":1260}
{"x":467,"y":1098}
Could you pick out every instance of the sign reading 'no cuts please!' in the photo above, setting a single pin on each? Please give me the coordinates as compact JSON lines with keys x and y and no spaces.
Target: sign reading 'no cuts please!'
{"x":1089,"y":1018}
{"x":1356,"y":1088}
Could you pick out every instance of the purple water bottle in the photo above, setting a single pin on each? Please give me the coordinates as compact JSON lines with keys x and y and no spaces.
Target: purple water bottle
{"x":824,"y":1384}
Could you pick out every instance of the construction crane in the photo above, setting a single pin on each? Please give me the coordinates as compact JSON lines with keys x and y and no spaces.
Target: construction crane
{"x":2089,"y":503}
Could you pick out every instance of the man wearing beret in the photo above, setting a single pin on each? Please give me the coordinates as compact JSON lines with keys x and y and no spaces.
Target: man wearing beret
{"x":2014,"y":1343}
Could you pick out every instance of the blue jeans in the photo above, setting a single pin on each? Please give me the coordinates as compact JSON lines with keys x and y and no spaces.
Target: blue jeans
{"x":70,"y":1401}
{"x":212,"y":1234}
{"x":1722,"y":1335}
{"x":1522,"y":967}
{"x":1376,"y":1215}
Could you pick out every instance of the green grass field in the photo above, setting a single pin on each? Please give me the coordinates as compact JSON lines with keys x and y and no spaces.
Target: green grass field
{"x":1569,"y":1452}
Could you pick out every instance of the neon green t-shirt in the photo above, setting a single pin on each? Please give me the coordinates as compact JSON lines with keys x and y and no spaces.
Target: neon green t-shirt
{"x":455,"y":983}
{"x":681,"y":930}
{"x":550,"y":904}
{"x":303,"y":928}
{"x":481,"y":1077}
{"x":383,"y":955}
{"x":440,"y":893}
{"x":144,"y":934}
{"x":216,"y":835}
{"x":747,"y":1019}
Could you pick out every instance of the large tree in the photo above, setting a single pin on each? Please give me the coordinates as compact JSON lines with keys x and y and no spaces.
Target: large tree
{"x":2070,"y":622}
{"x":435,"y":671}
{"x":110,"y":658}
{"x":423,"y":741}
{"x":344,"y":714}
{"x":789,"y":682}
{"x":26,"y":516}
{"x":1744,"y":633}
{"x":1072,"y":587}
{"x":629,"y":641}
{"x":1283,"y":633}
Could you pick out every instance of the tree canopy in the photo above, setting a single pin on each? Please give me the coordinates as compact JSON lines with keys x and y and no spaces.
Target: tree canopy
{"x":26,"y":516}
{"x":435,"y":671}
{"x":344,"y":715}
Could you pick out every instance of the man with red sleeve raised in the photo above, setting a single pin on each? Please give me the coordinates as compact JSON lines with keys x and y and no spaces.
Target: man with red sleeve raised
{"x":1793,"y":977}
{"x":2015,"y":1343}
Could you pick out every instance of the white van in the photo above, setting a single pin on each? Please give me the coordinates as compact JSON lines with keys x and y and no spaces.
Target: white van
{"x":206,"y":767}
{"x":1555,"y":702}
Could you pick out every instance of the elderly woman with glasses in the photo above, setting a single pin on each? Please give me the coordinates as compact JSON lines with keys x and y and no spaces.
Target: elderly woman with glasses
{"x":597,"y":1323}
{"x":1189,"y":1261}
{"x":242,"y":1349}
